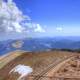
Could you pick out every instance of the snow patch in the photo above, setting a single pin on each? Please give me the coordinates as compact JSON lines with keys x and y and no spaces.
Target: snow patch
{"x":22,"y":70}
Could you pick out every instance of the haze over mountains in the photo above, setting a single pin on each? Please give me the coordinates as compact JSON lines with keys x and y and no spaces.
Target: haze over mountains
{"x":40,"y":44}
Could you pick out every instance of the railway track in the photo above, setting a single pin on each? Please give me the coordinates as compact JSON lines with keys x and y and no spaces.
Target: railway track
{"x":41,"y":75}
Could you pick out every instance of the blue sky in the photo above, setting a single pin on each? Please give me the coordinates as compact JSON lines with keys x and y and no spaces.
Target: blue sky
{"x":58,"y":17}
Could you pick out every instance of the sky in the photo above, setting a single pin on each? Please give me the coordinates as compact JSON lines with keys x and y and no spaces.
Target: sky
{"x":57,"y":17}
{"x":39,"y":18}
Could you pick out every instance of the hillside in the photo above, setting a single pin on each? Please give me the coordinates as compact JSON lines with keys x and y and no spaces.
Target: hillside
{"x":38,"y":61}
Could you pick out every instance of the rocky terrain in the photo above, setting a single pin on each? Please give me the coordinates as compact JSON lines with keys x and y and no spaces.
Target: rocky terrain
{"x":40,"y":62}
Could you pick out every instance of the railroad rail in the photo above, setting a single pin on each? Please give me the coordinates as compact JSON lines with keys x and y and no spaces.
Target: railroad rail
{"x":56,"y":77}
{"x":41,"y":75}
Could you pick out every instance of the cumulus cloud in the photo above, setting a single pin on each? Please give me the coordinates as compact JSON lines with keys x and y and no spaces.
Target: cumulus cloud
{"x":10,"y":1}
{"x":34,"y":27}
{"x":39,"y":28}
{"x":12,"y":20}
{"x":17,"y":27}
{"x":10,"y":17}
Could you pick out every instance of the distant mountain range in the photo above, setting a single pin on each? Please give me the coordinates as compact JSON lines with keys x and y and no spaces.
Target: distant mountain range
{"x":39,"y":44}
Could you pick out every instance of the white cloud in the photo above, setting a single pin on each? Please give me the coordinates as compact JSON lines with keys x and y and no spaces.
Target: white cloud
{"x":18,"y":27}
{"x":10,"y":29}
{"x":9,"y":1}
{"x":59,"y":29}
{"x":10,"y":17}
{"x":34,"y":27}
{"x":12,"y":20}
{"x":38,"y":28}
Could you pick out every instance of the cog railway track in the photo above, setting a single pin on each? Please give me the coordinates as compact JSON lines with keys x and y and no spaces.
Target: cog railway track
{"x":52,"y":66}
